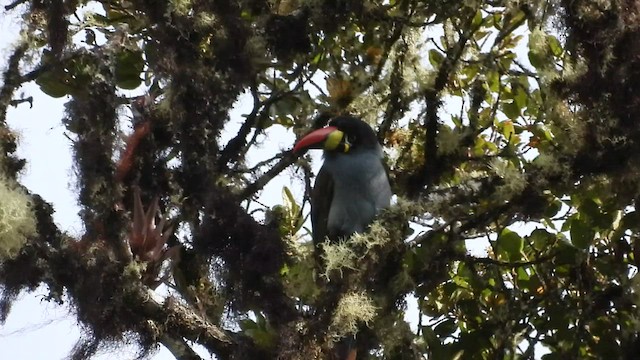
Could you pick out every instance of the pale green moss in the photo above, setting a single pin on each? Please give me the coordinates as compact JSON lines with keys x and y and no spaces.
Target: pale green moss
{"x":135,"y":269}
{"x":514,"y":180}
{"x":353,"y":309}
{"x":538,"y":41}
{"x":376,"y":236}
{"x":345,"y":254}
{"x":17,"y":221}
{"x":448,"y":141}
{"x":440,"y":203}
{"x":299,"y":277}
{"x":338,"y":256}
{"x":550,"y":165}
{"x":205,"y":19}
{"x":416,"y":76}
{"x":182,"y":7}
{"x":406,"y":208}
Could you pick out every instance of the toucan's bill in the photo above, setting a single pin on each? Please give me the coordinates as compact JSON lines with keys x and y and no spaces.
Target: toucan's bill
{"x":327,"y":138}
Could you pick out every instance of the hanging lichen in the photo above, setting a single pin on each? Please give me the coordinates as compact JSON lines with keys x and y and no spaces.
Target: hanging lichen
{"x":17,"y":222}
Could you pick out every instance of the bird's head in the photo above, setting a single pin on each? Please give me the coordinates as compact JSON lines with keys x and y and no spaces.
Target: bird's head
{"x":343,"y":134}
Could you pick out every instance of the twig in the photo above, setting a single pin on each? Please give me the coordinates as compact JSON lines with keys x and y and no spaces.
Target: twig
{"x":428,"y":235}
{"x":238,"y":146}
{"x":17,"y":102}
{"x":512,"y":264}
{"x":288,"y":158}
{"x":265,"y":162}
{"x":14,"y":4}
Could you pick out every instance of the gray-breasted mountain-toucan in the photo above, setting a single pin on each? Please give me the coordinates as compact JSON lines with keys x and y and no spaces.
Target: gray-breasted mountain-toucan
{"x":352,"y":185}
{"x":350,"y":189}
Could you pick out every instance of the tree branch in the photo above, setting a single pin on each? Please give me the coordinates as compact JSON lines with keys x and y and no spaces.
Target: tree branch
{"x":253,"y":253}
{"x":233,"y":150}
{"x":14,"y":4}
{"x":431,"y":171}
{"x":287,"y":159}
{"x":511,"y":264}
{"x":179,"y":322}
{"x":179,"y":348}
{"x":11,"y":79}
{"x":397,"y":104}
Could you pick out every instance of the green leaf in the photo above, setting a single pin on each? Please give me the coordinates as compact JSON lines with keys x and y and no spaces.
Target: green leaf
{"x":511,"y":110}
{"x":618,"y":228}
{"x":517,"y":17}
{"x":631,"y":220}
{"x":317,"y":58}
{"x":508,"y":129}
{"x":435,"y":58}
{"x":541,"y":239}
{"x":477,"y":19}
{"x":506,"y":61}
{"x":554,"y":45}
{"x":536,"y":60}
{"x":553,"y":207}
{"x":285,"y":121}
{"x":534,"y":285}
{"x":480,"y":34}
{"x":493,"y":81}
{"x":292,"y":220}
{"x":284,"y":270}
{"x":151,"y":53}
{"x":457,"y":121}
{"x":497,"y":20}
{"x":53,"y":85}
{"x":589,"y":208}
{"x":511,"y":243}
{"x":260,"y":331}
{"x":521,"y":97}
{"x":129,"y":65}
{"x":289,"y":200}
{"x":246,"y":15}
{"x":431,"y":339}
{"x":247,"y":324}
{"x":541,"y":131}
{"x":581,"y":233}
{"x":522,"y":274}
{"x":445,"y":328}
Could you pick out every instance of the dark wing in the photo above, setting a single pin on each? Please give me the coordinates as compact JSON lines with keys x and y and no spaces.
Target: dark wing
{"x":321,"y":197}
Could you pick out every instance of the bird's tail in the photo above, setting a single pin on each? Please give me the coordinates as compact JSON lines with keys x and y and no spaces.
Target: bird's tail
{"x":346,"y":349}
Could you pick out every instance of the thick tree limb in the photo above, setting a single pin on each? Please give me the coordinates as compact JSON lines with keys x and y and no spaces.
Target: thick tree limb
{"x":179,"y":348}
{"x":179,"y":322}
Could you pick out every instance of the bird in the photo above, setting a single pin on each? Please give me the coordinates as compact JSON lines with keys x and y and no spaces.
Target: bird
{"x":351,"y":188}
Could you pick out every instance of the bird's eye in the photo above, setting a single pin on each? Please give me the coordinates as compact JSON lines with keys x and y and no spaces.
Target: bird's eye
{"x":348,"y":139}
